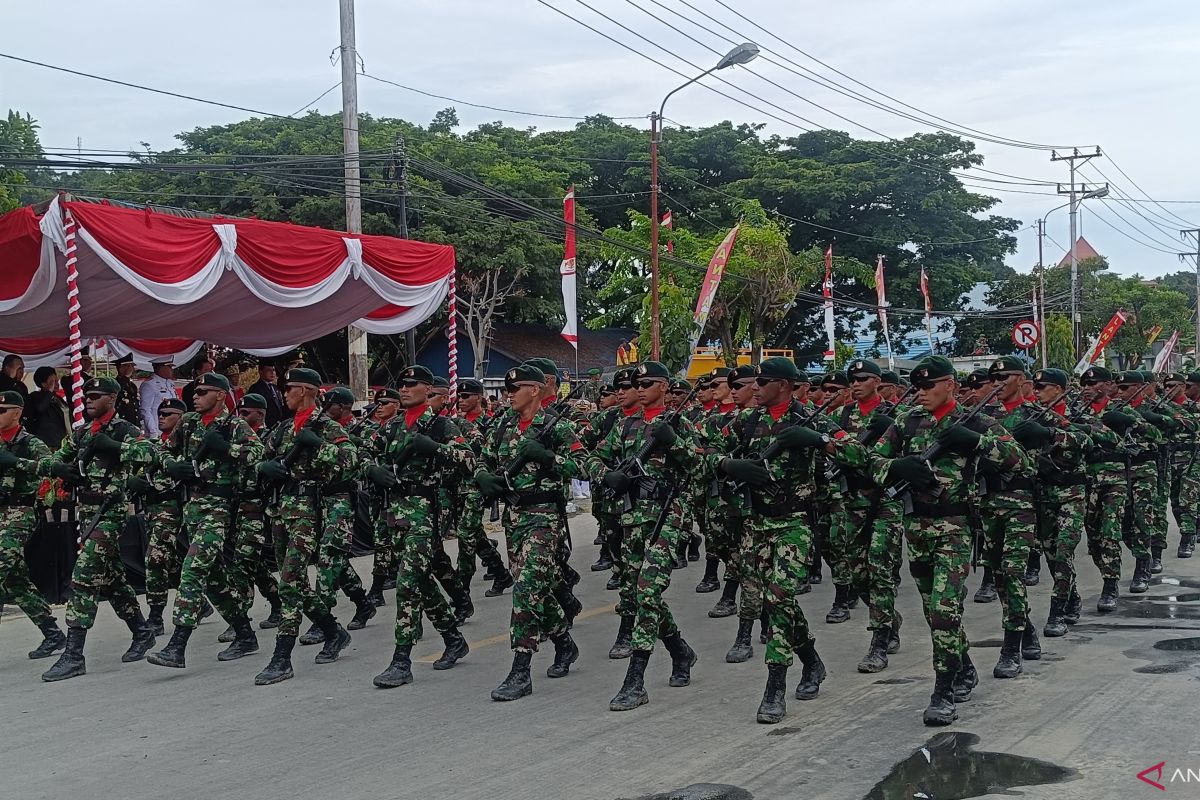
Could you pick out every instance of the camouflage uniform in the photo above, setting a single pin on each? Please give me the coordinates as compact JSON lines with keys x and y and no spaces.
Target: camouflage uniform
{"x":472,"y":539}
{"x":334,"y":570}
{"x":18,"y":522}
{"x":726,"y":510}
{"x":1185,"y":473}
{"x":1141,"y":515}
{"x":249,"y":567}
{"x":1062,"y":493}
{"x":1108,"y":493}
{"x":603,"y":507}
{"x":161,"y":505}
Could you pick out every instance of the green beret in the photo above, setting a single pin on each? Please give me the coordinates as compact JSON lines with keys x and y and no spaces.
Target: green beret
{"x":623,"y":376}
{"x":125,"y":359}
{"x":835,"y":379}
{"x":720,"y":372}
{"x":470,"y":386}
{"x":607,"y":391}
{"x":440,"y":383}
{"x":102,"y":385}
{"x":1006,"y":364}
{"x":302,"y":376}
{"x":860,"y":367}
{"x":680,"y":383}
{"x":1173,"y":377}
{"x":593,"y":371}
{"x":1096,"y":374}
{"x":524,"y":373}
{"x":340,"y":395}
{"x":386,"y":393}
{"x":548,"y":367}
{"x":978,"y":378}
{"x":1131,"y":376}
{"x":1193,"y":377}
{"x":653,"y":369}
{"x":175,"y":404}
{"x":888,"y":378}
{"x":801,"y":377}
{"x":11,"y":398}
{"x":778,"y":367}
{"x":931,"y":368}
{"x":1147,"y":376}
{"x":741,"y":373}
{"x":213,"y":380}
{"x":252,"y":400}
{"x":1054,"y":376}
{"x":416,"y":373}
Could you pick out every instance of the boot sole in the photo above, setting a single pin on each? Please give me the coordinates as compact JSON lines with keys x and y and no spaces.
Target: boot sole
{"x":36,"y":654}
{"x":641,"y":701}
{"x":706,"y":589}
{"x":75,"y":674}
{"x":721,"y":614}
{"x":739,"y":658}
{"x":1005,"y":677}
{"x":938,"y":721}
{"x":525,"y":692}
{"x":390,"y":684}
{"x":128,"y":658}
{"x":617,"y":655}
{"x":1032,"y":656}
{"x":157,"y":661}
{"x":273,"y":680}
{"x":444,"y":665}
{"x":870,"y":669}
{"x":566,"y":668}
{"x":1053,"y":633}
{"x":986,"y":599}
{"x":357,"y":624}
{"x":342,"y":644}
{"x":224,"y":655}
{"x":769,"y":719}
{"x":308,"y":642}
{"x":265,"y":625}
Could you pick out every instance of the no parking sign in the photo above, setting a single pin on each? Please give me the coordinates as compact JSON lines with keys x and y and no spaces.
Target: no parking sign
{"x":1025,"y":334}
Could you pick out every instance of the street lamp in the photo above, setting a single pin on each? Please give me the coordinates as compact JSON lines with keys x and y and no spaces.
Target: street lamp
{"x":742,"y":54}
{"x":1075,"y":327}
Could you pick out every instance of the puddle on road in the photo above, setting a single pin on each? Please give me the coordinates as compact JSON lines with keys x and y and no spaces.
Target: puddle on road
{"x":948,"y":768}
{"x":1168,"y":656}
{"x":893,"y":681}
{"x":1175,"y":645}
{"x":1163,"y":669}
{"x":1151,"y":607}
{"x":702,"y":791}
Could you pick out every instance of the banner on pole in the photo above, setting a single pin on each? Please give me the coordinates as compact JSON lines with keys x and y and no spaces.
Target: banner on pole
{"x":666,"y":223}
{"x":1102,"y":341}
{"x":929,"y":308}
{"x":1163,"y":360}
{"x":1153,"y":335}
{"x":570,"y":330}
{"x":827,"y":292}
{"x":881,"y":297}
{"x":708,"y":289}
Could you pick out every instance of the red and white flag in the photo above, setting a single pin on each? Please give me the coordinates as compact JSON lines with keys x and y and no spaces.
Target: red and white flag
{"x":881,"y":298}
{"x":928,"y":308}
{"x":827,"y":293}
{"x":1163,"y":360}
{"x":1101,"y":342}
{"x":570,"y":331}
{"x":666,"y":223}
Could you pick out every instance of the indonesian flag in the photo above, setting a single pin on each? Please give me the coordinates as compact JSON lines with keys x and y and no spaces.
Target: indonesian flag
{"x":570,"y":331}
{"x":929,"y":308}
{"x":666,"y":223}
{"x":1163,"y":359}
{"x":827,"y":292}
{"x":881,"y":299}
{"x":1101,"y":342}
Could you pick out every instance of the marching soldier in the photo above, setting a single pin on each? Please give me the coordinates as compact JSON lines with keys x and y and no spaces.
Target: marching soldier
{"x":722,"y":513}
{"x":161,"y":498}
{"x":383,"y":560}
{"x":1141,"y":439}
{"x":971,"y":392}
{"x":743,"y":381}
{"x":833,"y":540}
{"x":607,"y":509}
{"x":472,"y":539}
{"x":689,"y":546}
{"x":1185,"y":467}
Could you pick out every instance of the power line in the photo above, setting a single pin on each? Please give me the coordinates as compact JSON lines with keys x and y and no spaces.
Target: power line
{"x":1143,"y":191}
{"x":1097,"y":215}
{"x":317,"y":100}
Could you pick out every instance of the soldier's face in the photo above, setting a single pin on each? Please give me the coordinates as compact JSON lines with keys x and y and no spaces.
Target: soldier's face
{"x":651,"y":391}
{"x":817,"y":395}
{"x":773,"y":392}
{"x":526,"y":397}
{"x":838,"y":393}
{"x":470,"y":403}
{"x":628,"y":396}
{"x":168,"y":419}
{"x":208,"y":399}
{"x":125,"y":370}
{"x":863,"y":387}
{"x":1012,"y":384}
{"x":414,"y":393}
{"x":294,"y":395}
{"x":386,"y":409}
{"x":1193,"y":391}
{"x":607,"y":400}
{"x":934,"y":394}
{"x":255,"y":417}
{"x":1048,"y":393}
{"x":438,"y":398}
{"x":743,"y":392}
{"x":704,"y":396}
{"x":721,"y":392}
{"x":98,"y":404}
{"x":9,"y":416}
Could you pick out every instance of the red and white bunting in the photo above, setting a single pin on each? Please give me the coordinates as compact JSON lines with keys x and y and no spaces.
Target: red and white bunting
{"x":666,"y":223}
{"x":570,"y":330}
{"x":827,"y":293}
{"x":881,"y":298}
{"x":928,"y":308}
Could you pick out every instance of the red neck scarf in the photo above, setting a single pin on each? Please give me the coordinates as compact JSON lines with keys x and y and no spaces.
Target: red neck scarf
{"x":726,"y":408}
{"x":1061,"y":409}
{"x":1138,"y":401}
{"x":778,"y":411}
{"x":206,"y":419}
{"x":631,"y":410}
{"x":97,"y":424}
{"x":346,"y":419}
{"x":411,"y":415}
{"x":650,"y":414}
{"x":710,"y":405}
{"x":950,"y":405}
{"x":865,"y":407}
{"x":301,"y":417}
{"x":11,"y":433}
{"x":1099,"y":405}
{"x":474,"y":416}
{"x":1008,"y":407}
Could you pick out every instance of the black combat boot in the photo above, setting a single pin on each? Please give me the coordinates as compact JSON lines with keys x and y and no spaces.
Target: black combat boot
{"x":464,"y":609}
{"x":742,"y":649}
{"x":840,"y":612}
{"x":1187,"y":546}
{"x":566,"y":652}
{"x":143,"y":638}
{"x":227,"y":635}
{"x":206,"y":610}
{"x":570,"y":604}
{"x":244,"y":641}
{"x":1156,"y":560}
{"x":279,"y":668}
{"x":502,"y":581}
{"x":893,"y":646}
{"x":764,"y":628}
{"x":364,"y":609}
{"x":965,"y":680}
{"x":456,"y":648}
{"x":518,"y":684}
{"x":1009,"y":665}
{"x":727,"y":605}
{"x":375,"y":593}
{"x":876,"y":658}
{"x":399,"y":672}
{"x":1055,"y":624}
{"x":633,"y":690}
{"x":814,"y":671}
{"x":276,"y":616}
{"x":803,"y":587}
{"x":1140,"y":582}
{"x":1031,"y":648}
{"x":173,"y":654}
{"x":774,"y":703}
{"x":71,"y":663}
{"x":389,"y":582}
{"x":314,"y":635}
{"x":680,"y":554}
{"x":53,"y":639}
{"x":1108,"y":597}
{"x":1073,"y":607}
{"x":709,"y":583}
{"x":156,"y":619}
{"x":693,"y":553}
{"x":623,"y":646}
{"x":941,"y":710}
{"x":604,"y":560}
{"x":336,"y":639}
{"x":613,"y":583}
{"x":1033,"y":568}
{"x":599,"y":540}
{"x":987,"y":590}
{"x":683,"y":658}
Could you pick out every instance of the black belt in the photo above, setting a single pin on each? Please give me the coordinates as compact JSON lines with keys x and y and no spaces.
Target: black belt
{"x":530,"y":499}
{"x":429,"y":493}
{"x":776,"y":507}
{"x":1018,"y":484}
{"x":223,"y":492}
{"x":648,"y":489}
{"x":1144,"y":458}
{"x":1106,"y":457}
{"x":338,"y":488}
{"x":93,"y":498}
{"x":158,"y":498}
{"x":1061,"y":481}
{"x":939,"y":510}
{"x":300,"y":489}
{"x":16,"y":502}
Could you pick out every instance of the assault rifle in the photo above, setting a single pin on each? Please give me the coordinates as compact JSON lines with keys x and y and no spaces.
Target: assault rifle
{"x":834,"y":472}
{"x":774,"y":449}
{"x":635,"y":466}
{"x":293,"y":453}
{"x":541,"y":436}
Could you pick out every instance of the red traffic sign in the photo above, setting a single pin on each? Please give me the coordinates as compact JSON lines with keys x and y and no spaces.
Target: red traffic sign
{"x":1025,"y":334}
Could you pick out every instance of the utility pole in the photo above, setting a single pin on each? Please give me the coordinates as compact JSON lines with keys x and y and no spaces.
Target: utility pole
{"x":1074,"y":156}
{"x":356,"y":338}
{"x":1041,"y":321}
{"x":410,"y":335}
{"x":1185,"y":234}
{"x":655,"y":323}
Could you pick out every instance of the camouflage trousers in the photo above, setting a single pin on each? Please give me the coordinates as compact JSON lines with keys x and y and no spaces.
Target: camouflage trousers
{"x":295,"y":530}
{"x":17,"y":524}
{"x":1060,"y":527}
{"x":248,"y":566}
{"x":834,"y":541}
{"x":1162,"y":501}
{"x":723,"y":539}
{"x":781,"y":548}
{"x":876,"y":536}
{"x":383,"y":561}
{"x":206,"y":520}
{"x":745,"y":558}
{"x":416,"y":588}
{"x":939,"y":557}
{"x":1102,"y":522}
{"x":162,"y":556}
{"x":99,"y":573}
{"x":472,"y":539}
{"x":1187,"y":502}
{"x":334,"y":570}
{"x":536,"y":611}
{"x":1139,"y":527}
{"x":1009,"y":534}
{"x":651,"y":556}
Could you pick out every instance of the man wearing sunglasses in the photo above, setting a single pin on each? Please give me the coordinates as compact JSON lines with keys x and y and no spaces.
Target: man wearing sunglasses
{"x":1185,"y":468}
{"x":1141,"y":439}
{"x":652,"y":527}
{"x":383,"y":559}
{"x":689,"y":546}
{"x":937,"y":530}
{"x":161,"y":496}
{"x":414,"y":455}
{"x":890,"y":388}
{"x":96,"y":461}
{"x":723,"y":507}
{"x":777,"y":533}
{"x":829,"y":534}
{"x":607,"y":510}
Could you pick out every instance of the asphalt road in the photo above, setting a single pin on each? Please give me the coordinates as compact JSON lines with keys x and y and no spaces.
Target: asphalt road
{"x":1103,"y":704}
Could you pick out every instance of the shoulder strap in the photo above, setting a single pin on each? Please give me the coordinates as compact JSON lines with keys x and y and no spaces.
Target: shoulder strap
{"x":911,"y":424}
{"x":609,"y":421}
{"x":750,"y":427}
{"x":844,"y":417}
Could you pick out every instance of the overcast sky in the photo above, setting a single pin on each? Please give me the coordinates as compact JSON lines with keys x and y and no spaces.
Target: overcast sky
{"x":1107,"y":72}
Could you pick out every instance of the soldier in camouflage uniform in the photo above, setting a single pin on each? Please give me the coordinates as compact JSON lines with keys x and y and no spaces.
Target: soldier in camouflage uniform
{"x":604,"y":415}
{"x":833,"y":538}
{"x":735,"y":509}
{"x":777,"y":441}
{"x":1185,"y":488}
{"x":472,"y":540}
{"x":721,"y":518}
{"x":689,"y":546}
{"x":651,"y":524}
{"x":383,"y":560}
{"x":161,"y":502}
{"x":250,"y":568}
{"x":209,"y":450}
{"x":96,"y":462}
{"x":939,"y":537}
{"x":415,"y":453}
{"x":593,"y":388}
{"x":606,"y":508}
{"x":301,"y":457}
{"x":527,"y":463}
{"x":20,"y":454}
{"x":1141,"y":438}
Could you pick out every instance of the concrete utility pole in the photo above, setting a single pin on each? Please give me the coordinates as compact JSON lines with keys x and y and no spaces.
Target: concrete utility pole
{"x":410,"y":335}
{"x":1075,"y":155}
{"x":1184,"y":234}
{"x":356,"y":338}
{"x":1041,"y":321}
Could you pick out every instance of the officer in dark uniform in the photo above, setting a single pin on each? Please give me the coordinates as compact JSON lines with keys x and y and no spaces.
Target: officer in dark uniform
{"x":128,"y":407}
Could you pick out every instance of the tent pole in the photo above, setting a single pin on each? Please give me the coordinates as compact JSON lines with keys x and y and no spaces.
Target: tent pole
{"x":73,"y":319}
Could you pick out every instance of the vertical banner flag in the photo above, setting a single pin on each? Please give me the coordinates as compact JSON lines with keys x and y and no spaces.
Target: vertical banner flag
{"x":929,"y":308}
{"x":1102,"y":341}
{"x":666,"y":223}
{"x":827,"y":292}
{"x":881,"y":297}
{"x":1163,"y":360}
{"x":1153,"y":335}
{"x":708,"y":289}
{"x":570,"y":331}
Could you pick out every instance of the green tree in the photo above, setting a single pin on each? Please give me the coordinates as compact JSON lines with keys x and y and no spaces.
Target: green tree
{"x":18,"y":141}
{"x":1060,"y":347}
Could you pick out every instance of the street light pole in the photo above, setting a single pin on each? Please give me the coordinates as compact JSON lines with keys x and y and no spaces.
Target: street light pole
{"x":1076,"y":326}
{"x":742,"y":54}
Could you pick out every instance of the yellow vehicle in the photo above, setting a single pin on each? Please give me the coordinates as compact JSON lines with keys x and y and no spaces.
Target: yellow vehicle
{"x":704,"y":359}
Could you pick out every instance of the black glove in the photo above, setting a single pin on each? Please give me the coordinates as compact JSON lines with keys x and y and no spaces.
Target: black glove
{"x":532,"y":450}
{"x":958,"y":439}
{"x":136,"y":484}
{"x":214,"y":442}
{"x":913,"y":471}
{"x":1119,"y":421}
{"x":381,"y":476}
{"x":664,"y":434}
{"x":68,"y":473}
{"x":1159,"y":420}
{"x":617,"y":481}
{"x":745,"y":470}
{"x":272,"y":471}
{"x":878,"y":425}
{"x":103,"y":443}
{"x":490,"y":485}
{"x":309,"y":438}
{"x":1032,"y":434}
{"x":8,"y":459}
{"x":180,"y":470}
{"x":423,"y":445}
{"x":800,"y":438}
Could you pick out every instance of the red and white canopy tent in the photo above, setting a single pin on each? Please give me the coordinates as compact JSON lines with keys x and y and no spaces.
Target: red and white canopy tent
{"x":154,"y":283}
